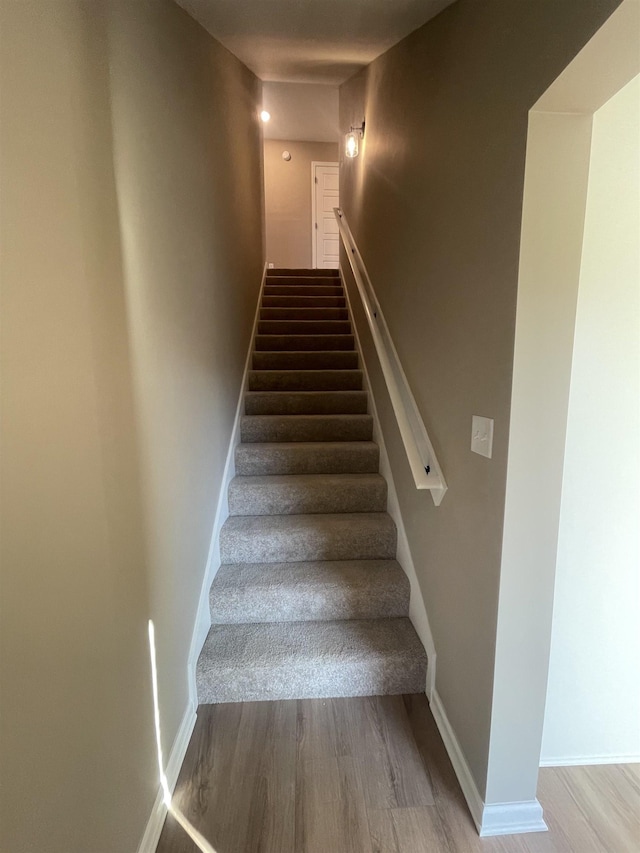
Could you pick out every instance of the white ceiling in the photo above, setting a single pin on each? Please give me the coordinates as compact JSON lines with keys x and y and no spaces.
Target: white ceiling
{"x":310,"y":41}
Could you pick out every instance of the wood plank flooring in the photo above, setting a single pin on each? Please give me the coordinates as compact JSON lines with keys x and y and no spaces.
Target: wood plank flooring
{"x":369,"y":775}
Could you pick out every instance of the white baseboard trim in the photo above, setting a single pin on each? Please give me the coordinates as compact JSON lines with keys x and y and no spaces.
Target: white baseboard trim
{"x":203,"y":615}
{"x":417,"y":609}
{"x":460,"y":766}
{"x":512,"y":818}
{"x":495,"y":818}
{"x":176,"y":757}
{"x":588,"y":760}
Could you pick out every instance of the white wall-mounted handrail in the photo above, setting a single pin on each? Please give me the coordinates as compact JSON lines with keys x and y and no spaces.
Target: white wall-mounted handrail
{"x":426,"y":471}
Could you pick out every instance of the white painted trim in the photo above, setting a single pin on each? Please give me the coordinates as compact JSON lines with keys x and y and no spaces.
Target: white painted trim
{"x":417,"y":609}
{"x":156,"y":820}
{"x":424,"y":465}
{"x":512,"y":818}
{"x":203,"y":616}
{"x":459,"y":762}
{"x":314,"y":247}
{"x":588,"y":760}
{"x":494,"y":818}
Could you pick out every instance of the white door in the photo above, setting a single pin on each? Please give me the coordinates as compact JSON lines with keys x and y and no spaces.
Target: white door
{"x":325,"y":228}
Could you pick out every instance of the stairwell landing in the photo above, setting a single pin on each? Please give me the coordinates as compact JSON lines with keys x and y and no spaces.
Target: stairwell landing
{"x":309,"y":601}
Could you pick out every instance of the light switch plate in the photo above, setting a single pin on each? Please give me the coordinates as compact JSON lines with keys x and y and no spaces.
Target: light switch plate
{"x":482,"y":436}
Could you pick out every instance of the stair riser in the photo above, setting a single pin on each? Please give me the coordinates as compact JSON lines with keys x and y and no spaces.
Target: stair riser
{"x":302,"y":290}
{"x":305,"y":403}
{"x":306,"y":604}
{"x":304,"y":314}
{"x":308,"y":592}
{"x":305,"y":380}
{"x":310,"y":544}
{"x":301,"y":280}
{"x":289,"y":499}
{"x":290,"y":607}
{"x":323,"y":658}
{"x":298,"y":428}
{"x":281,"y":343}
{"x":252,"y":460}
{"x":296,"y":360}
{"x":306,"y":273}
{"x":303,"y":302}
{"x":296,"y":681}
{"x":304,"y":327}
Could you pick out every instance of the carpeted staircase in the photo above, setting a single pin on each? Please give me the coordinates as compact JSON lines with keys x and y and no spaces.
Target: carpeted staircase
{"x":309,"y":600}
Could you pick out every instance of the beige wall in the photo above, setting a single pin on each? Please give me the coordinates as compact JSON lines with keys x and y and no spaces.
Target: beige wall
{"x":131,"y":260}
{"x":189,"y":189}
{"x":434,"y":201}
{"x":306,"y":112}
{"x":288,"y":198}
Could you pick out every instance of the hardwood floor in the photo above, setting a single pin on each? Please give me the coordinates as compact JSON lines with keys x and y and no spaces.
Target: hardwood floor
{"x":369,"y":775}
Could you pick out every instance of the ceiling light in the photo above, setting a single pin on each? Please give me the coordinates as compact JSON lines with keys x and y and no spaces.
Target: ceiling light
{"x":265,"y":115}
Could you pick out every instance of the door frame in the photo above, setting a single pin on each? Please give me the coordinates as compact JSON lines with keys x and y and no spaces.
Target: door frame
{"x":314,"y":163}
{"x":558,"y":144}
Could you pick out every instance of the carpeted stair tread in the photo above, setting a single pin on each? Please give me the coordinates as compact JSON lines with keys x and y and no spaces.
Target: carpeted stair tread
{"x":305,"y":380}
{"x":296,"y":538}
{"x":322,"y":457}
{"x":288,"y":660}
{"x":305,"y":360}
{"x":293,"y":313}
{"x":304,"y":327}
{"x":289,"y":301}
{"x":280,"y":343}
{"x":307,"y":493}
{"x":305,"y":403}
{"x":297,"y":592}
{"x":306,"y":428}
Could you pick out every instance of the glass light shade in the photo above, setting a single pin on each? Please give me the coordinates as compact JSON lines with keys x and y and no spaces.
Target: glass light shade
{"x":265,"y":115}
{"x":351,"y":145}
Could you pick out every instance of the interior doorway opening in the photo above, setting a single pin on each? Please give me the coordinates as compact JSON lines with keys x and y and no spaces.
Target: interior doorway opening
{"x":557,"y":181}
{"x":597,"y":585}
